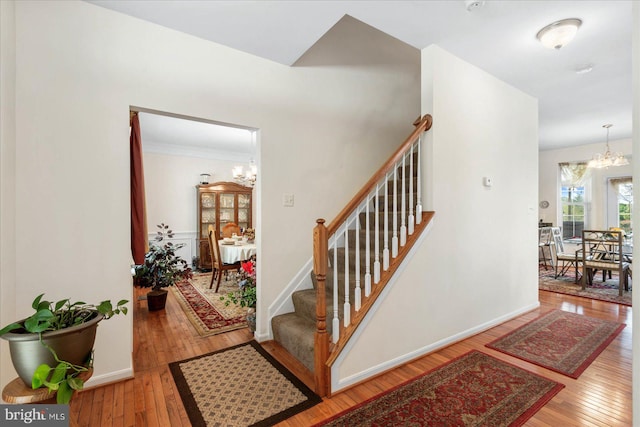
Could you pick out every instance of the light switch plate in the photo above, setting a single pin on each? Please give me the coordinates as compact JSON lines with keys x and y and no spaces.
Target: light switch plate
{"x":287,"y":200}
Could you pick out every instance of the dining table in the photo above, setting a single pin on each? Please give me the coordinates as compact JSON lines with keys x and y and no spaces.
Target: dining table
{"x":236,"y":250}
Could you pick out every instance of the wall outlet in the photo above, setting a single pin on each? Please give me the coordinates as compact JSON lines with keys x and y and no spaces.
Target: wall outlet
{"x":287,"y":200}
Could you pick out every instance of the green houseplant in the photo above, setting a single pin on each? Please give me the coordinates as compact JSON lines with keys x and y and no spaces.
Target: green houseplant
{"x":53,"y":346}
{"x":161,"y":268}
{"x":245,"y":296}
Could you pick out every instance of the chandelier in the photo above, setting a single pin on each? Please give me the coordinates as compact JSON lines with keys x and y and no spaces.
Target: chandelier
{"x":247,"y":178}
{"x":607,"y":159}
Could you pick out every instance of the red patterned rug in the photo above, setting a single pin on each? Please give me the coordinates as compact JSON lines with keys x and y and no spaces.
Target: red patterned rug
{"x":563,"y":342}
{"x":600,"y":290}
{"x":474,"y":389}
{"x":203,"y":307}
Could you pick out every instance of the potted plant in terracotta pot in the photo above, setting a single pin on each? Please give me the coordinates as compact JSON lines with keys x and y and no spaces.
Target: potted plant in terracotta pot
{"x":245,"y":296}
{"x":54,"y":346}
{"x":161,"y":268}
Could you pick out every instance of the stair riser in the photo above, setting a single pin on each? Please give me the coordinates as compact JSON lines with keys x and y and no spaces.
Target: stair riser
{"x":296,"y":335}
{"x":304,"y":303}
{"x":381,"y":215}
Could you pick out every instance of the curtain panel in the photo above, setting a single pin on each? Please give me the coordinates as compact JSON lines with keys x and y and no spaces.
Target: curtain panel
{"x":139,"y":239}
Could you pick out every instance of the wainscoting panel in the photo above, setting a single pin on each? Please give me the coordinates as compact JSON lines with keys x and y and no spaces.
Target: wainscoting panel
{"x":188,"y":238}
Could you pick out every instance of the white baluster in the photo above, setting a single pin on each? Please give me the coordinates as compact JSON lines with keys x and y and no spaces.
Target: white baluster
{"x":394,"y":239}
{"x":412,"y":219}
{"x":376,"y":240}
{"x":336,"y":320}
{"x":385,"y":251}
{"x":403,"y":214}
{"x":357,"y":292}
{"x":347,"y":305}
{"x":367,"y":253}
{"x":419,"y":189}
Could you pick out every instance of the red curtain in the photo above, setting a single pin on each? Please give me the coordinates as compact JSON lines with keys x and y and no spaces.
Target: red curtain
{"x":139,"y":243}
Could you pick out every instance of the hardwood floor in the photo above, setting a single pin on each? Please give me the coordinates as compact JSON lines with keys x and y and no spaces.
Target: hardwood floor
{"x":600,"y":397}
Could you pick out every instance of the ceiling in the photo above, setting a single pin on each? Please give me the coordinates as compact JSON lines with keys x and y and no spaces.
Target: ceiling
{"x":176,"y":135}
{"x":498,"y":37}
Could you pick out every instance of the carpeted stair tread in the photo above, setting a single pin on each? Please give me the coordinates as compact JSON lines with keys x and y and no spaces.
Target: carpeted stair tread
{"x":329,"y":282}
{"x":352,"y":259}
{"x":296,"y":334}
{"x":304,"y":303}
{"x":381,"y":214}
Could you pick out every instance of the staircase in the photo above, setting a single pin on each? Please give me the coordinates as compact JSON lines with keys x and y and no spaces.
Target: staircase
{"x":364,"y":247}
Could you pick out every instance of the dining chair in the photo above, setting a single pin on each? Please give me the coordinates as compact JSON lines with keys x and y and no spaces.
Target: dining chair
{"x":544,"y":241}
{"x":230,"y":229}
{"x":218,"y":267}
{"x":603,"y":250}
{"x":560,"y":258}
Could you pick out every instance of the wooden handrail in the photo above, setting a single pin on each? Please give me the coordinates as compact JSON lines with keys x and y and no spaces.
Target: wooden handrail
{"x":422,"y":125}
{"x":324,"y":356}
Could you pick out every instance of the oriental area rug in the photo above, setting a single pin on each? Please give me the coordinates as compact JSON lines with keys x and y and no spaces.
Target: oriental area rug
{"x":602,"y":291}
{"x":239,"y":386}
{"x":563,"y":342}
{"x":203,"y":307}
{"x":474,"y":389}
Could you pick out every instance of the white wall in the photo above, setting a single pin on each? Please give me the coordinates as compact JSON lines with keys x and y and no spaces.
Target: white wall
{"x":170,"y":184}
{"x":549,"y":180}
{"x":79,"y":69}
{"x":477,"y":264}
{"x":7,"y":177}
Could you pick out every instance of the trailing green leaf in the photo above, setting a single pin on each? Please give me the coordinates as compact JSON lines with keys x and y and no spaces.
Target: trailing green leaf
{"x":50,"y":316}
{"x":64,"y":395}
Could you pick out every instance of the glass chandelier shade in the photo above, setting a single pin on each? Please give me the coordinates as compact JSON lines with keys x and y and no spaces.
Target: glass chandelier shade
{"x":607,"y":159}
{"x":246,"y":178}
{"x":249,"y":177}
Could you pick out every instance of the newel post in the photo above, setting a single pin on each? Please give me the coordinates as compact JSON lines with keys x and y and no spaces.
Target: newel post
{"x":321,"y":339}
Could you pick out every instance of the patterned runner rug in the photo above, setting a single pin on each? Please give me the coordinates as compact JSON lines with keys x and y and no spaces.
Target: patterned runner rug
{"x":603,"y":291}
{"x":474,"y":389}
{"x":203,"y":306}
{"x":563,"y":342}
{"x":239,"y":386}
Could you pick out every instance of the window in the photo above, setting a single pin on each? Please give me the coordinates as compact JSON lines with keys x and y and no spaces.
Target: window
{"x":573,"y":198}
{"x":573,"y":211}
{"x":623,"y":191}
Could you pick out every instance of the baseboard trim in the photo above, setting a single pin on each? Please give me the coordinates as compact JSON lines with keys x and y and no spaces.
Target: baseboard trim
{"x":111,"y":377}
{"x":367,"y":374}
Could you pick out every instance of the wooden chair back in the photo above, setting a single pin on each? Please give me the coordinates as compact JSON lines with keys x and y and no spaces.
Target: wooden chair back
{"x":229,"y":229}
{"x":603,"y":250}
{"x":215,"y":249}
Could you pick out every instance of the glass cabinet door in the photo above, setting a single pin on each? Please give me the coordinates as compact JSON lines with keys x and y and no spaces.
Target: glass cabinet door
{"x":227,"y":208}
{"x":244,"y":211}
{"x":208,"y":213}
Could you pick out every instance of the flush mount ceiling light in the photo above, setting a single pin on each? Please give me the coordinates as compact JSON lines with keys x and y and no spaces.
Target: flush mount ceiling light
{"x":607,"y":159}
{"x":584,"y":69}
{"x":559,"y":33}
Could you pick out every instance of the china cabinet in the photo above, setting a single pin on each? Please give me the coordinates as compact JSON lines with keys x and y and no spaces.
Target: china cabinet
{"x":220,"y":203}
